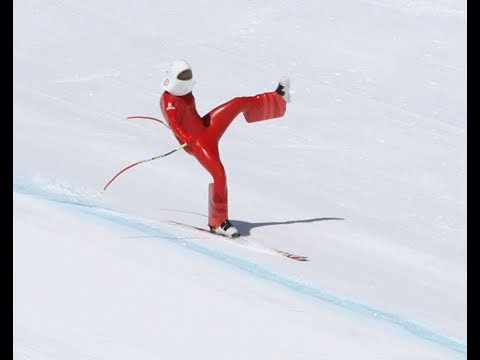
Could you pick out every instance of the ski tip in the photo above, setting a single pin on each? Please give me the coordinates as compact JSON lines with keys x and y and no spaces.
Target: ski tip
{"x":298,"y":258}
{"x":293,"y":256}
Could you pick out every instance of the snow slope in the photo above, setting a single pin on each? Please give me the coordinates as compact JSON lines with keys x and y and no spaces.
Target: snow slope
{"x":365,"y":174}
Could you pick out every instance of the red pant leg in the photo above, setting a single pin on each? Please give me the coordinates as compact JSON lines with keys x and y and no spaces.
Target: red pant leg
{"x":207,"y":155}
{"x":217,"y":204}
{"x":255,"y":108}
{"x":265,"y":106}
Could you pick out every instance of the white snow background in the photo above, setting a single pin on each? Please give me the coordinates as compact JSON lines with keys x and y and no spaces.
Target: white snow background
{"x":365,"y":175}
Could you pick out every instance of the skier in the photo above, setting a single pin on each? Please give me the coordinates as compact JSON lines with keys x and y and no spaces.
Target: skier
{"x":202,"y":134}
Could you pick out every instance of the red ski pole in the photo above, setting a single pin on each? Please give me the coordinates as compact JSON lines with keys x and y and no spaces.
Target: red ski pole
{"x":142,"y":161}
{"x":148,"y":118}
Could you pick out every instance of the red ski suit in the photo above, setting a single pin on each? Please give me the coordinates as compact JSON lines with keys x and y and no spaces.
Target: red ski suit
{"x":202,"y":135}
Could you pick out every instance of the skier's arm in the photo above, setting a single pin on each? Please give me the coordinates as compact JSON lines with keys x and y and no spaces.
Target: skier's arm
{"x":172,"y":114}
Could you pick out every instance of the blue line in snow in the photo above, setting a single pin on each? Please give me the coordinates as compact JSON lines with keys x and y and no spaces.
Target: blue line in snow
{"x":68,"y":199}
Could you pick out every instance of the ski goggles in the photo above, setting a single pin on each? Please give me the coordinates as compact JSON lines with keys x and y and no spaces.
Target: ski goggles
{"x":185,"y":75}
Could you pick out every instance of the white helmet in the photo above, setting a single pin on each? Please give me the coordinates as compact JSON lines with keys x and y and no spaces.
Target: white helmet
{"x":179,"y":79}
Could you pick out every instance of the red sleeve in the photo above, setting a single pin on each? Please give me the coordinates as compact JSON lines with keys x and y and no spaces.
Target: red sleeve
{"x":173,"y":111}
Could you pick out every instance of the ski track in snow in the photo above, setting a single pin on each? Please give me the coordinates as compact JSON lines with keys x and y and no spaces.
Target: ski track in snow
{"x":84,"y":202}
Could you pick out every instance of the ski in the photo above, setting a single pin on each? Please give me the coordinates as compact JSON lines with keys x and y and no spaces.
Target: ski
{"x":241,"y":241}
